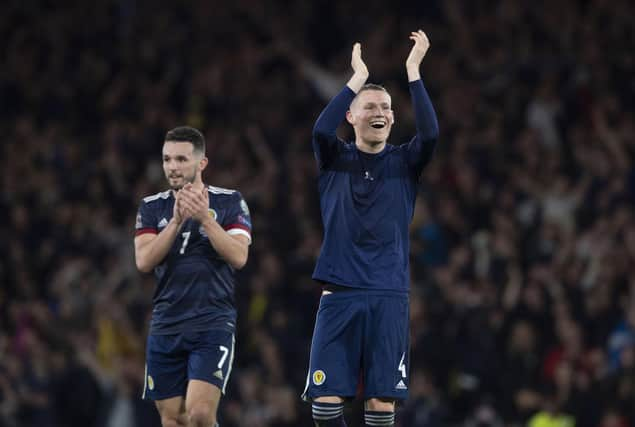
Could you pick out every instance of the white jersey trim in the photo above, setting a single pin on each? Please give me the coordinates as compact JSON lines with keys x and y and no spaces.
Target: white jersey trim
{"x":231,"y":363}
{"x":219,"y":190}
{"x":239,"y":231}
{"x":161,"y":195}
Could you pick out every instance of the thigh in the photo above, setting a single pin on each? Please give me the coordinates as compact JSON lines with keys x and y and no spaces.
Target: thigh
{"x":211,"y":358}
{"x":386,"y":347}
{"x":166,"y":367}
{"x":335,"y":360}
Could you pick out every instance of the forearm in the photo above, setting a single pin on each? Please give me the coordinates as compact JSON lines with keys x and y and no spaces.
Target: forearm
{"x":425,"y":116}
{"x":334,"y":113}
{"x":230,"y":249}
{"x":152,"y":253}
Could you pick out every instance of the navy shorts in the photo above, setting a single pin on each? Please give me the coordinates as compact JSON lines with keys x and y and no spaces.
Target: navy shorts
{"x":360,"y":335}
{"x":173,"y":360}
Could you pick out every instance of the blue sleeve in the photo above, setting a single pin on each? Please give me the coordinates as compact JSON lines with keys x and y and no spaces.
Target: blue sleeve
{"x":238,"y":220}
{"x":146,"y":220}
{"x":325,"y":142}
{"x":422,"y":146}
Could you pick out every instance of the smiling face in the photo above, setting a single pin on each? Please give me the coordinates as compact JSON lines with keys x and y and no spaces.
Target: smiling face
{"x":371,"y":116}
{"x":182,"y":164}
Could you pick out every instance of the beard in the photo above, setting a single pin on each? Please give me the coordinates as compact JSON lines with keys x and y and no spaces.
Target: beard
{"x":177,"y":183}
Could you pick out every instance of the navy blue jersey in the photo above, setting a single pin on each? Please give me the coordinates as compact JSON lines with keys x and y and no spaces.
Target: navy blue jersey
{"x":195,"y":286}
{"x":367,"y":200}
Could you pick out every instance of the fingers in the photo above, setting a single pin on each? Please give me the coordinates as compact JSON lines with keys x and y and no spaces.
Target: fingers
{"x":182,"y":206}
{"x":194,"y":203}
{"x":357,"y":63}
{"x":187,"y":204}
{"x":419,"y":36}
{"x":356,"y":55}
{"x":418,"y":51}
{"x":191,"y":199}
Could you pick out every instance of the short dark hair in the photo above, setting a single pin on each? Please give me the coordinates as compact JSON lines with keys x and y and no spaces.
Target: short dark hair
{"x":187,"y":134}
{"x":372,"y":86}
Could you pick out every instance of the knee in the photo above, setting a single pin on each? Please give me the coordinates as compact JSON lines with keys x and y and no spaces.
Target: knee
{"x":201,"y":416}
{"x":169,"y":422}
{"x":383,"y":405}
{"x":329,"y":399}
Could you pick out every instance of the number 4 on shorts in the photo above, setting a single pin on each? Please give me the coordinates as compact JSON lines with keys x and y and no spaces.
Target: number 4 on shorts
{"x":402,"y":366}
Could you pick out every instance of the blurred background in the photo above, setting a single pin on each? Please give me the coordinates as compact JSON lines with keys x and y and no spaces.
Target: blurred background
{"x":523,"y":242}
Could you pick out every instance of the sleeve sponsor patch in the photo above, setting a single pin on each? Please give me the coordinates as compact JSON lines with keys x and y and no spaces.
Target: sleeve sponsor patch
{"x":138,"y":222}
{"x":244,"y":207}
{"x":242,"y":219}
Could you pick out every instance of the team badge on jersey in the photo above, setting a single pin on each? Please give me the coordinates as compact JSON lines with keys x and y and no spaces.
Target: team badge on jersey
{"x":318,"y":377}
{"x":211,"y":213}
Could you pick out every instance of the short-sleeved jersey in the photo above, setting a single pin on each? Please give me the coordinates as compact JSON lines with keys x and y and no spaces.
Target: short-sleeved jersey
{"x":195,"y":286}
{"x":367,"y":200}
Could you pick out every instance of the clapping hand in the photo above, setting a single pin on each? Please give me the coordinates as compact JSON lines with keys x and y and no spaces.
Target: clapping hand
{"x":195,"y":203}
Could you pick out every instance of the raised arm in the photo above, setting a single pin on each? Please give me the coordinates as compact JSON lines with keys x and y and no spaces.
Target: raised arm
{"x":422,"y":146}
{"x":324,"y":137}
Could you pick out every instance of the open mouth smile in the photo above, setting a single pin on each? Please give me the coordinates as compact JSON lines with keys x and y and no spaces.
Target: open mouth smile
{"x":378,"y":124}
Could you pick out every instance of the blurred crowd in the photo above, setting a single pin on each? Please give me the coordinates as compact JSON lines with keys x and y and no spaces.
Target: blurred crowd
{"x":523,"y":241}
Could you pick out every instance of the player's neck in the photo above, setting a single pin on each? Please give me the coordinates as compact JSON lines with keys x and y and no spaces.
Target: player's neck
{"x":370,"y":148}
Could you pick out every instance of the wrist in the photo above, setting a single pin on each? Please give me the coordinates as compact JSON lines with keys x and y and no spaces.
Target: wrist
{"x":413,"y":73}
{"x":357,"y":81}
{"x":176,"y":221}
{"x":206,"y":220}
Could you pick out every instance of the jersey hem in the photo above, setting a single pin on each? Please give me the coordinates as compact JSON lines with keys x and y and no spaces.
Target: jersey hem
{"x":184,"y":330}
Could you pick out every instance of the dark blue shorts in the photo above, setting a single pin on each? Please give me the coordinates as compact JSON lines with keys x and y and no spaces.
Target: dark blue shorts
{"x":173,"y":360}
{"x":360,"y":335}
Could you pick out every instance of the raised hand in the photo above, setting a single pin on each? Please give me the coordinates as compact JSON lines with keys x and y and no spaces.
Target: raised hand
{"x":418,"y":51}
{"x":360,"y":71}
{"x":358,"y":65}
{"x":178,"y":213}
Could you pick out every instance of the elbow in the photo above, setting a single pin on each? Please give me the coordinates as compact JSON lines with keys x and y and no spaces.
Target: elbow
{"x":239,"y":262}
{"x":320,"y":132}
{"x":432,"y":134}
{"x":435,"y":132}
{"x":143,"y":266}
